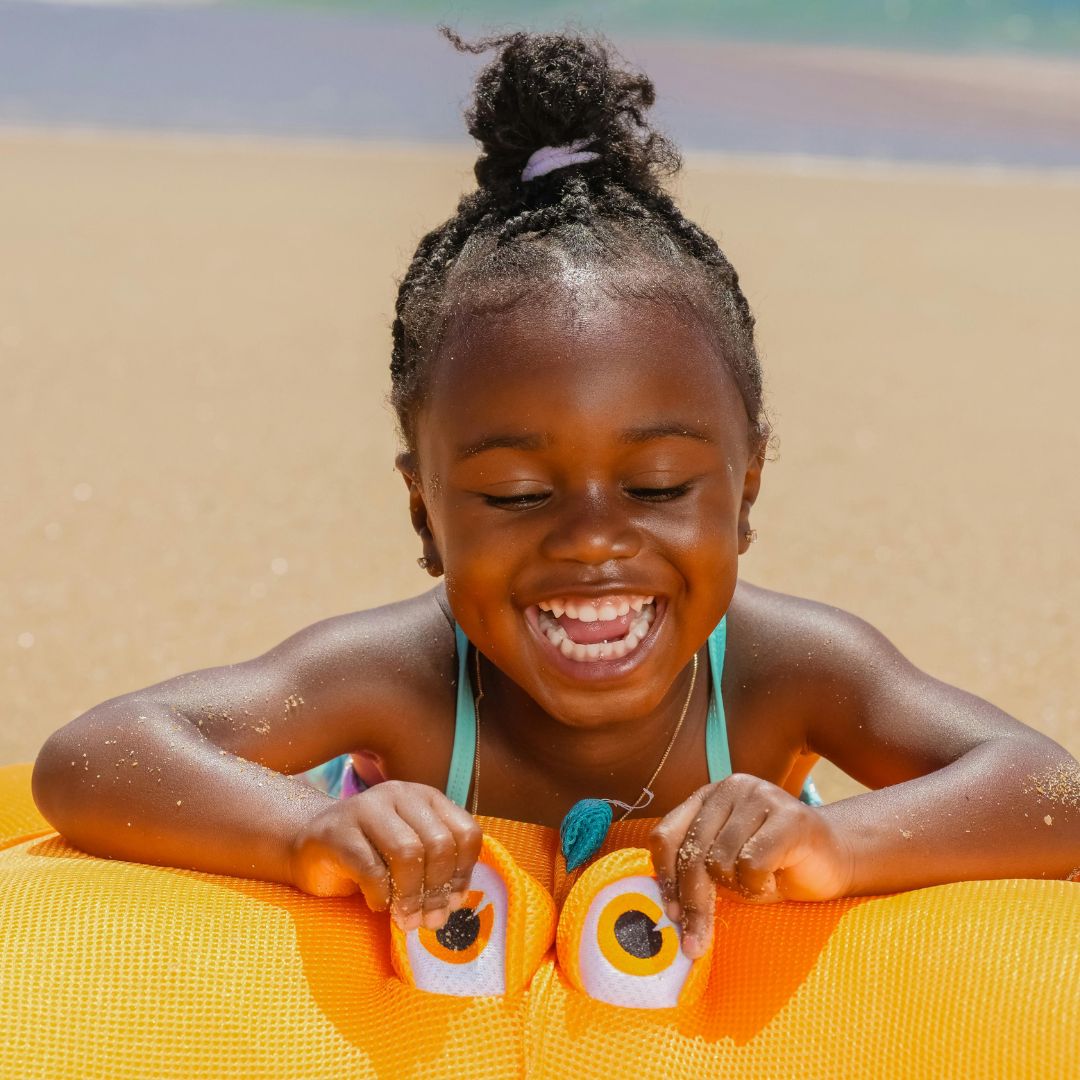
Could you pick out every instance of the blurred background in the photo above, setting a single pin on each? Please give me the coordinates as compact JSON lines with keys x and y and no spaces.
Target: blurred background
{"x":204,"y":209}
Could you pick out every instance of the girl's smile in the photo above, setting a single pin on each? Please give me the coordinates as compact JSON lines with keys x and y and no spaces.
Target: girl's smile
{"x":596,"y":474}
{"x":596,"y":637}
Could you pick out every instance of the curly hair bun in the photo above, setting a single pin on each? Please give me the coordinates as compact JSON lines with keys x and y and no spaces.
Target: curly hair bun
{"x":553,"y":90}
{"x":599,"y":203}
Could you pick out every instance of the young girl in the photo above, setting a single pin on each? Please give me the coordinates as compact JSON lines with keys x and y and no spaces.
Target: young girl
{"x":580,"y":405}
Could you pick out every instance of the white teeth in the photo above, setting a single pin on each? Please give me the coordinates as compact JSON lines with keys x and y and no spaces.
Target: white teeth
{"x":603,"y":610}
{"x":606,"y":610}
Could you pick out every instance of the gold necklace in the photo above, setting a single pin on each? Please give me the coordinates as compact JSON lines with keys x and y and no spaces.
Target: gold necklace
{"x":586,"y":824}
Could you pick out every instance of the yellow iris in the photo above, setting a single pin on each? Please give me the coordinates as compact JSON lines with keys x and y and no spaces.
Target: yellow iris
{"x":629,"y":938}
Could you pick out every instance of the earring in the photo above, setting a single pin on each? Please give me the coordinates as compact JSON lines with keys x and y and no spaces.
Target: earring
{"x":750,"y":535}
{"x":423,"y":562}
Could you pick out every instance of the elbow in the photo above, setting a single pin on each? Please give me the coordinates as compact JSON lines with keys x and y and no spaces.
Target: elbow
{"x":51,"y":781}
{"x":54,"y":785}
{"x":46,"y":782}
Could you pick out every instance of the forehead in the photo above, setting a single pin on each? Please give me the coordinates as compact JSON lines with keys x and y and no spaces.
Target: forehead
{"x":581,"y":356}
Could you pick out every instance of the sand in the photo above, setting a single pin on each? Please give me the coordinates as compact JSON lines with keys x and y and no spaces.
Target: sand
{"x":198,"y":458}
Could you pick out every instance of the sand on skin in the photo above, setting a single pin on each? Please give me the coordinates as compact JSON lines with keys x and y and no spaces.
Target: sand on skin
{"x":198,"y":460}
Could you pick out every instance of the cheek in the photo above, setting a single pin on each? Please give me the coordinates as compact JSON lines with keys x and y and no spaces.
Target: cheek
{"x":706,"y":544}
{"x":480,"y":565}
{"x":704,"y":529}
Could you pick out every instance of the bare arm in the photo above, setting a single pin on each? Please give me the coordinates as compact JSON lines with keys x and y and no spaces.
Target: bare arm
{"x":190,"y":772}
{"x":964,"y":790}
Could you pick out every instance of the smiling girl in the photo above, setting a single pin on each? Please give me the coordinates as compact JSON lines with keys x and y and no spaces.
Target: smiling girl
{"x":583,"y":429}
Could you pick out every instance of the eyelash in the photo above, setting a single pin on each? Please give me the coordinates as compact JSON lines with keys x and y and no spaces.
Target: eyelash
{"x":661,"y":494}
{"x":527,"y":502}
{"x":514,"y":502}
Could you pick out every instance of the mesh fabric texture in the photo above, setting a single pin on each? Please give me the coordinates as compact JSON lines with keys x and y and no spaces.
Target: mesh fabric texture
{"x":112,"y":970}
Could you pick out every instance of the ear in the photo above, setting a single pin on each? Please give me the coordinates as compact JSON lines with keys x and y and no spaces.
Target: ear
{"x":751,"y":487}
{"x":407,"y":465}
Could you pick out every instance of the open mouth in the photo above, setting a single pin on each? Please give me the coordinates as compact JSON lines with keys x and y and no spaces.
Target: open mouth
{"x":590,"y":629}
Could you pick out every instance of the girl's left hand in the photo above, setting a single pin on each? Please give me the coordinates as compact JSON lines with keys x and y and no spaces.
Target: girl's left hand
{"x":755,"y":841}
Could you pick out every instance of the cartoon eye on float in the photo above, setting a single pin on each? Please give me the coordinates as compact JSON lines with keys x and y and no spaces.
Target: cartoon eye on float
{"x":465,"y":935}
{"x":468,"y":955}
{"x":617,"y":945}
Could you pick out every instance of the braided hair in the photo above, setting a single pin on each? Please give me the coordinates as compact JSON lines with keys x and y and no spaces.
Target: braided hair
{"x":510,"y":239}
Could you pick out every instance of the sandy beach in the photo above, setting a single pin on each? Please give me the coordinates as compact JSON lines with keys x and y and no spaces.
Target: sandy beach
{"x":198,"y":461}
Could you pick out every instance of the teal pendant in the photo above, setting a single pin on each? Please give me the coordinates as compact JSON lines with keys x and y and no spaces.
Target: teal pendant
{"x":583,"y":830}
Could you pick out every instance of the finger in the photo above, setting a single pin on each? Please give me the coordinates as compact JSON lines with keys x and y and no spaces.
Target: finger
{"x":743,"y":822}
{"x":467,"y":840}
{"x":403,"y":852}
{"x":439,"y":858}
{"x":360,"y":861}
{"x":664,"y":843}
{"x":697,"y":891}
{"x":763,"y":855}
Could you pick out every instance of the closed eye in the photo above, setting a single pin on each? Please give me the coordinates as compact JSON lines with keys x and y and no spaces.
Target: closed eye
{"x":515,"y":502}
{"x":658,"y":494}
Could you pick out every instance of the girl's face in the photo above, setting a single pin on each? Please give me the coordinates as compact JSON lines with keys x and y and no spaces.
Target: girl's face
{"x":584,"y":476}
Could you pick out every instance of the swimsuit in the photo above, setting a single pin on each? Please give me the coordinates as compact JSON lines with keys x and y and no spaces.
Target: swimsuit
{"x":338,"y":777}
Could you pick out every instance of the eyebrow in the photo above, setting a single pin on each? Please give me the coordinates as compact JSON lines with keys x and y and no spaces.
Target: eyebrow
{"x":664,"y":431}
{"x":630,"y":436}
{"x":501,"y":442}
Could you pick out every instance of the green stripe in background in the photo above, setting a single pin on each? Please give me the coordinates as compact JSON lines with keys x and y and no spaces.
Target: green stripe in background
{"x":964,"y":25}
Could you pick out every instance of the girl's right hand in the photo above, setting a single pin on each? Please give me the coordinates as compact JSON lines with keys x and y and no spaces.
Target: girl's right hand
{"x":407,"y":847}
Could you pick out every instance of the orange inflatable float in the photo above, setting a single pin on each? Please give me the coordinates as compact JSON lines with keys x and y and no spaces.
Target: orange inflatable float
{"x":118,"y":970}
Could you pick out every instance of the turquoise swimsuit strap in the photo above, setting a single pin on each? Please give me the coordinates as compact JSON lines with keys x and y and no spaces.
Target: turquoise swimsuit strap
{"x":461,"y":760}
{"x":717,"y":753}
{"x":464,"y":754}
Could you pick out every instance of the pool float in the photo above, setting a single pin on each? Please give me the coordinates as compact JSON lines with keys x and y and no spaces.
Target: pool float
{"x":118,"y":970}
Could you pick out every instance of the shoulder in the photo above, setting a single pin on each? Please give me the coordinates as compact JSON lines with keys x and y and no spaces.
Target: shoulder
{"x":794,"y":632}
{"x":419,"y":631}
{"x":839,"y":688}
{"x":820,"y":663}
{"x":379,"y":679}
{"x":385,"y":659}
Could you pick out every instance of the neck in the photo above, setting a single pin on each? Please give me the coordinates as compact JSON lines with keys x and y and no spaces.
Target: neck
{"x":612,"y":760}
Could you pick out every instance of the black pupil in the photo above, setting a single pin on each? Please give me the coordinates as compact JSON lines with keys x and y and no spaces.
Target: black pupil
{"x":460,"y":930}
{"x":637,"y":934}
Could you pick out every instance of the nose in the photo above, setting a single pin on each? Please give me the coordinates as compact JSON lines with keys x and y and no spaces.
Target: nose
{"x":591,"y":527}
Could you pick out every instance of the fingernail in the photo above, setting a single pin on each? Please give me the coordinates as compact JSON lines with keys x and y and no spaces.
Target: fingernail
{"x":695,"y":947}
{"x":435,"y":918}
{"x":411,"y":921}
{"x":455,"y":900}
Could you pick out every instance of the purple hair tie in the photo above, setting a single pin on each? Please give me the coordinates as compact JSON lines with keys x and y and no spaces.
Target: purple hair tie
{"x":549,"y":158}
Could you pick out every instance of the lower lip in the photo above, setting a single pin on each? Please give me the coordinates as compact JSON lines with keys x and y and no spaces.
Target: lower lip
{"x":596,"y":670}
